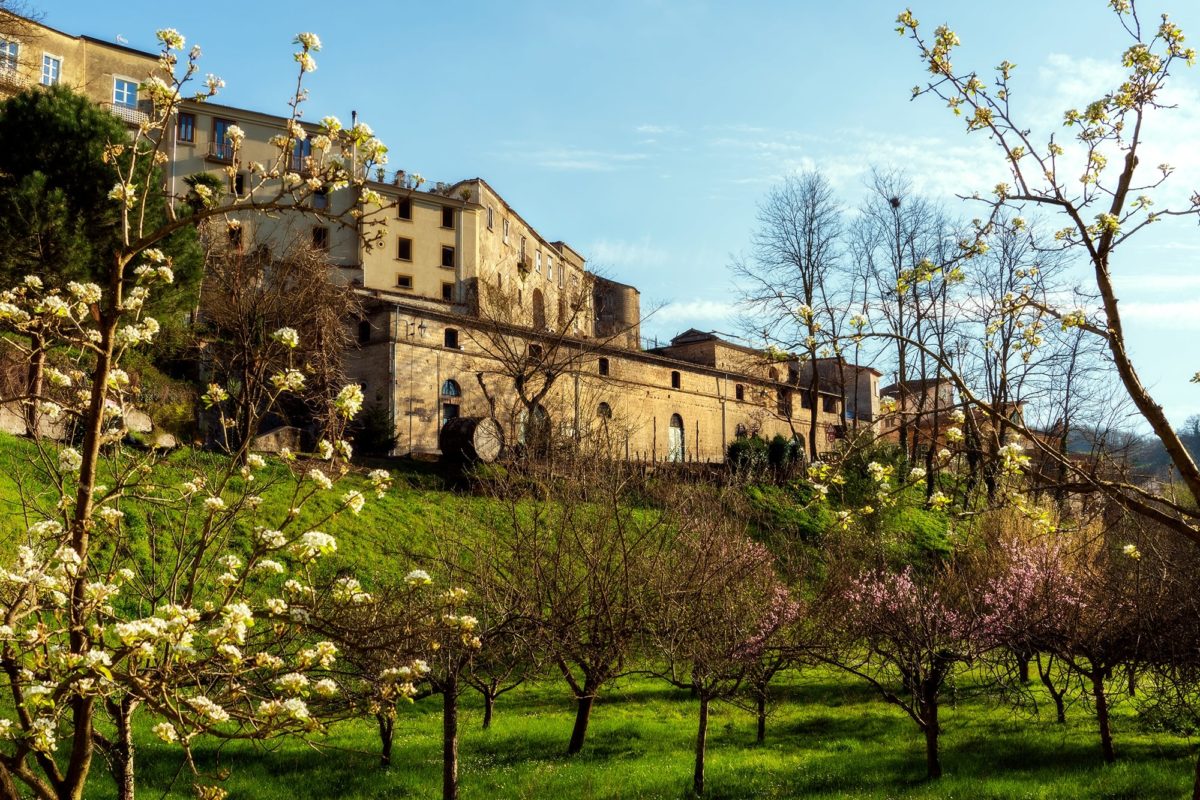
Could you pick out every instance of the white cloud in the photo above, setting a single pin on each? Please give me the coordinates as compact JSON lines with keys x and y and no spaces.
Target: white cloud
{"x":657,"y":130}
{"x":572,"y":159}
{"x":1173,"y":315}
{"x":695,"y":313}
{"x":624,"y":254}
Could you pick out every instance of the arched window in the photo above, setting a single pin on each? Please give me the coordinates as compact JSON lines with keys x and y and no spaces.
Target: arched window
{"x":740,"y":431}
{"x":451,"y":338}
{"x":739,"y":392}
{"x":675,"y":379}
{"x":604,"y":411}
{"x":535,"y":352}
{"x":773,"y":374}
{"x":675,"y":450}
{"x":451,"y":389}
{"x":364,"y":332}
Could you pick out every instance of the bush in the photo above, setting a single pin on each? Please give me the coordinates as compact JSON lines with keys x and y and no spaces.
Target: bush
{"x":748,"y":454}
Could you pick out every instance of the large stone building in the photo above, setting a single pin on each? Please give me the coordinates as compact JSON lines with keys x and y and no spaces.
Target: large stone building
{"x":464,"y":299}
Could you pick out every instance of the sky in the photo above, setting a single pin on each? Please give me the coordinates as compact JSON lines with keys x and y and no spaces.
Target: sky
{"x":644,"y":134}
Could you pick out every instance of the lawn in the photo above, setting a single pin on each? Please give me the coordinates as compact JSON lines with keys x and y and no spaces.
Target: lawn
{"x":828,"y":738}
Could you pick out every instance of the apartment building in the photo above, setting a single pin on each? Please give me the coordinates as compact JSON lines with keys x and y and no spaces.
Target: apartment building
{"x":109,"y":73}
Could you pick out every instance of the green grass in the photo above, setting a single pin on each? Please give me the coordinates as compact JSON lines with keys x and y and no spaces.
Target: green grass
{"x":830,"y":737}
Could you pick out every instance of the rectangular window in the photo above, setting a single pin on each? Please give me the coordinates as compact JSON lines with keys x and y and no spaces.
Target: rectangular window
{"x":9,"y":52}
{"x":185,"y":128}
{"x":506,"y":231}
{"x":447,"y":217}
{"x":537,"y":260}
{"x":320,"y":200}
{"x":220,"y":147}
{"x":829,"y":405}
{"x":51,"y":70}
{"x":602,"y":366}
{"x":522,"y":248}
{"x":549,"y":268}
{"x":321,"y":237}
{"x":783,"y":400}
{"x":448,"y":256}
{"x":404,"y":281}
{"x":301,"y":152}
{"x":239,"y":184}
{"x":404,"y":251}
{"x":124,"y":92}
{"x":448,"y":292}
{"x":490,"y":217}
{"x":674,"y":379}
{"x":404,"y":208}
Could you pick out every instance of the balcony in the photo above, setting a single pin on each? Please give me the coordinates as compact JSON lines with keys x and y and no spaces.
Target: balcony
{"x":11,"y":80}
{"x":131,"y":115}
{"x":221,"y":152}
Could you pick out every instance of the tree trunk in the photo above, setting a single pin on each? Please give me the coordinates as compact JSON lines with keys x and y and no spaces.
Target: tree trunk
{"x":701,"y":740}
{"x":583,"y":713}
{"x":1044,"y":672}
{"x":8,"y":788}
{"x":123,"y":751}
{"x":33,"y":384}
{"x":1022,"y":666}
{"x":1106,"y":742}
{"x":932,"y":728}
{"x":450,"y":739}
{"x":489,"y":705}
{"x":762,"y":719}
{"x":387,"y":726}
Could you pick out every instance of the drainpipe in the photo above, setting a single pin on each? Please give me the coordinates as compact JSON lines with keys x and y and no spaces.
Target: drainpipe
{"x":392,"y":379}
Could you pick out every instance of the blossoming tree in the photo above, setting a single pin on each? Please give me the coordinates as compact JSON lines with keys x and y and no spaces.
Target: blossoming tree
{"x":208,"y":631}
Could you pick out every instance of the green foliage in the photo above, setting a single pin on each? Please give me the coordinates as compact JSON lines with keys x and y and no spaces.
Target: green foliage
{"x":748,"y":454}
{"x":56,"y":171}
{"x":783,"y":512}
{"x":780,"y":452}
{"x":372,"y":431}
{"x":918,"y":536}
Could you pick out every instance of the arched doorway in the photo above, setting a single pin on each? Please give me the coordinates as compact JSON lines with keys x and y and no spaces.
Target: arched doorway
{"x":539,"y":310}
{"x":533,"y":430}
{"x":675,"y":448}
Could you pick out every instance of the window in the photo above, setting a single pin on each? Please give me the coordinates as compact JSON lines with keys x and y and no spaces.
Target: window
{"x":739,"y":392}
{"x":404,"y":208}
{"x":522,"y":248}
{"x":449,"y":412}
{"x":185,"y":128}
{"x":450,"y":339}
{"x":447,"y":217}
{"x":220,"y":147}
{"x":829,"y":405}
{"x":783,"y":401}
{"x":320,"y":200}
{"x":450,"y":388}
{"x":404,"y":249}
{"x":674,"y":379}
{"x":537,"y":260}
{"x":739,"y":431}
{"x":805,"y":400}
{"x":301,"y":151}
{"x":549,"y":268}
{"x":9,"y":51}
{"x":447,"y":256}
{"x":535,"y":351}
{"x":506,"y":231}
{"x":602,"y":366}
{"x":51,"y":69}
{"x":491,"y":214}
{"x":364,"y":332}
{"x":239,"y":184}
{"x":320,"y":237}
{"x":448,"y":292}
{"x":125,"y":93}
{"x":604,"y":411}
{"x":403,"y":281}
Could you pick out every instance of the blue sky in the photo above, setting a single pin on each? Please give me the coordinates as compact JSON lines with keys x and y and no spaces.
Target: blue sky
{"x":644,"y":133}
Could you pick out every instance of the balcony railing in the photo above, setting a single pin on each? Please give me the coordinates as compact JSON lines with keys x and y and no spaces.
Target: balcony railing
{"x":132,"y":115}
{"x":11,"y":79}
{"x":220,"y":151}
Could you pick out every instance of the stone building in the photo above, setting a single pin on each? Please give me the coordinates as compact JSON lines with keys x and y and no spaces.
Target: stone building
{"x":464,"y":299}
{"x":32,"y":54}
